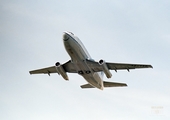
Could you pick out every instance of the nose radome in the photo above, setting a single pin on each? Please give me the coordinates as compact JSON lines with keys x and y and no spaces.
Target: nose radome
{"x":65,"y":37}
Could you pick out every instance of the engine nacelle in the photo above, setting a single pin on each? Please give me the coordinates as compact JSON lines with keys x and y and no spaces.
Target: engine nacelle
{"x":61,"y":71}
{"x":105,"y":68}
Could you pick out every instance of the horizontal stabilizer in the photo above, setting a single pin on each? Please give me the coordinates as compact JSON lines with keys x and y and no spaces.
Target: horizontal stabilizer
{"x":106,"y":84}
{"x":113,"y":84}
{"x":86,"y":86}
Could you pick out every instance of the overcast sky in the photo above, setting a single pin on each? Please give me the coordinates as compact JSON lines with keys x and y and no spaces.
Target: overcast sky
{"x":114,"y":30}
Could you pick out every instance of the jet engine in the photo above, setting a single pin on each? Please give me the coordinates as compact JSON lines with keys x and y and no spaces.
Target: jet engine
{"x":105,"y":68}
{"x":61,"y":71}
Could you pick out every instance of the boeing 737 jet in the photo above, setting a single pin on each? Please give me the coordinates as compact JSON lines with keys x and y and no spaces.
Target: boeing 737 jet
{"x":82,"y":63}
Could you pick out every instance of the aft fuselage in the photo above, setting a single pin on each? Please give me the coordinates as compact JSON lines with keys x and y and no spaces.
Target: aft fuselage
{"x":79,"y":55}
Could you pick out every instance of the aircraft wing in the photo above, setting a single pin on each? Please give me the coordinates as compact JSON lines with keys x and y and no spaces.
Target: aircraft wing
{"x":68,"y":67}
{"x":115,"y":66}
{"x":121,"y":66}
{"x":47,"y":70}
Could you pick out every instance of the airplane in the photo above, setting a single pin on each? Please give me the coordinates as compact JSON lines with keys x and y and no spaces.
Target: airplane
{"x":82,"y":63}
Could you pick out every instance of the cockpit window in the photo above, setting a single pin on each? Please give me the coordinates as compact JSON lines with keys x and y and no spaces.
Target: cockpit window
{"x":71,"y":33}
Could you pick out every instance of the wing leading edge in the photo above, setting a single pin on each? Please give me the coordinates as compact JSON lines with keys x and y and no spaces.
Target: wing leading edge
{"x":47,"y":70}
{"x":68,"y":67}
{"x":96,"y":67}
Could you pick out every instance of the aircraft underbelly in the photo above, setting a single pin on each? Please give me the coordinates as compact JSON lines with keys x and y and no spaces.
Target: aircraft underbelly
{"x":94,"y":79}
{"x":79,"y":56}
{"x":76,"y":52}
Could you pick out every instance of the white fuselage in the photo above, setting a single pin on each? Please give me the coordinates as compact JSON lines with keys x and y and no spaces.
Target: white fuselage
{"x":79,"y":55}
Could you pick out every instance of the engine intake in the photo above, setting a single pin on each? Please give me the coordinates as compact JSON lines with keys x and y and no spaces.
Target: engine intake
{"x":61,"y":71}
{"x":57,"y":64}
{"x":105,"y":68}
{"x":101,"y":62}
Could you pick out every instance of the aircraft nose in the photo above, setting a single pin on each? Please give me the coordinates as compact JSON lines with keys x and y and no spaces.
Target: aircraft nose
{"x":65,"y":37}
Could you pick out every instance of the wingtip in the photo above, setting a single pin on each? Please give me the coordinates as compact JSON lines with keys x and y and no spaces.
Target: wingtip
{"x":30,"y":73}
